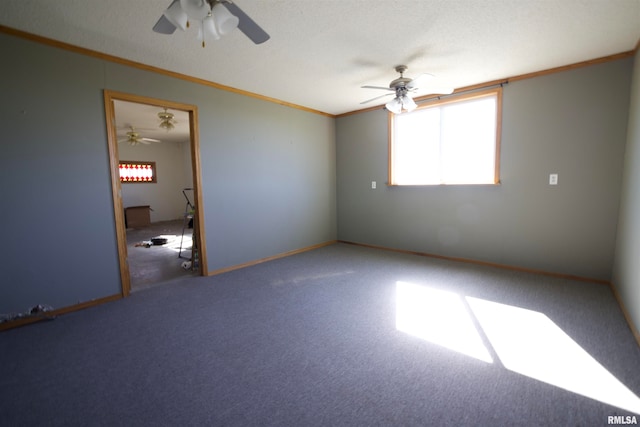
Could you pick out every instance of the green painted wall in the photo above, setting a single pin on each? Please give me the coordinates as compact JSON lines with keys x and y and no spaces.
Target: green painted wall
{"x":268,"y":174}
{"x":571,"y":123}
{"x":626,"y":273}
{"x":276,"y":179}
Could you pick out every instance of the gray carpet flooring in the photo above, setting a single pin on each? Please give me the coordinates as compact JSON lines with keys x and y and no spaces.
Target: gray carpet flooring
{"x":342,"y":335}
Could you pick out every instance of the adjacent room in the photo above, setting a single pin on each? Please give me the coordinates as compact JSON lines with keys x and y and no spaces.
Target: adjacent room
{"x":154,"y":158}
{"x":320,"y":213}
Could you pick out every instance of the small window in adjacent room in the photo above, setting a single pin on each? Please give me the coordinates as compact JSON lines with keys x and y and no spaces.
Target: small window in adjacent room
{"x":137,"y":172}
{"x":451,"y":141}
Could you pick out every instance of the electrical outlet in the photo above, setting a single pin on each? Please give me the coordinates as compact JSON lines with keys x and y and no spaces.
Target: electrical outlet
{"x":553,"y":179}
{"x":373,"y":185}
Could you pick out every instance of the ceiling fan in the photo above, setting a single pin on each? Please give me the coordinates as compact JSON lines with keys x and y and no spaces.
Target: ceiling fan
{"x":217,"y":18}
{"x":167,"y":122}
{"x":134,"y":138}
{"x":401,"y":88}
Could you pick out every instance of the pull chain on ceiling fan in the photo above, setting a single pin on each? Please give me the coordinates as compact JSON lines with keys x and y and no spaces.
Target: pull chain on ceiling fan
{"x":402,"y":87}
{"x":217,"y":18}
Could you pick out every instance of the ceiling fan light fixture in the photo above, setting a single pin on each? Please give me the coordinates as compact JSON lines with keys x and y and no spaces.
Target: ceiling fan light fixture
{"x":166,"y":125}
{"x":395,"y":106}
{"x":176,"y":15}
{"x":166,"y":120}
{"x":209,"y":31}
{"x":225,"y":20}
{"x":401,"y":104}
{"x":195,"y":9}
{"x":408,"y":104}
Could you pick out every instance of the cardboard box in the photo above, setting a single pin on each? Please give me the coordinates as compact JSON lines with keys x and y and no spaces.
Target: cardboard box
{"x":137,"y":216}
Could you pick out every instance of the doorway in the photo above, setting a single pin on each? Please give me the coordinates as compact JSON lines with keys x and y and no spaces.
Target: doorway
{"x":122,"y":111}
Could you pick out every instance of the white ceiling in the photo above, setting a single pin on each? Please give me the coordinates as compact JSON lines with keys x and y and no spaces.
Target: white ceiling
{"x":322,"y":51}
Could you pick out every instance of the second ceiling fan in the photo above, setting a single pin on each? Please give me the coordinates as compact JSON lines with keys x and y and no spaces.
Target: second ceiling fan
{"x":133,"y":137}
{"x":402,"y":87}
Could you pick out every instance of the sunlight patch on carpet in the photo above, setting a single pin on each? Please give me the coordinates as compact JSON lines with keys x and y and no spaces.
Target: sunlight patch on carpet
{"x":177,"y":243}
{"x":531,"y":344}
{"x":525,"y":341}
{"x":439,"y":317}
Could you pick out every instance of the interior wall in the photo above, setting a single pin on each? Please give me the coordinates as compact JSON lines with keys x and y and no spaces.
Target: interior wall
{"x":268,"y":174}
{"x":164,"y":196}
{"x":626,"y":272}
{"x":268,"y":171}
{"x":572,"y":123}
{"x":59,"y":237}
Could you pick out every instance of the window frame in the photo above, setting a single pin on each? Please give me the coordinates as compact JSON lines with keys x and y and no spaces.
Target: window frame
{"x":154,"y":171}
{"x":440,"y":101}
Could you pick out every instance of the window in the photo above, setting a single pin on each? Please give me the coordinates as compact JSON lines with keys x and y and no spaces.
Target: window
{"x":452,"y":141}
{"x":136,"y":172}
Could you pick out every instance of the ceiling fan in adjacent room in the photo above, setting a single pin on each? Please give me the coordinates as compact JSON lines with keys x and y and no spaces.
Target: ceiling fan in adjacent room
{"x":217,"y":18}
{"x":402,"y":87}
{"x":134,"y":138}
{"x":167,"y":122}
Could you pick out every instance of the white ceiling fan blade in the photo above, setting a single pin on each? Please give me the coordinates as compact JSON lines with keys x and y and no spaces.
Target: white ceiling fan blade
{"x":377,"y":97}
{"x":378,"y":87}
{"x":439,"y":91}
{"x":421,"y":79}
{"x":147,"y":140}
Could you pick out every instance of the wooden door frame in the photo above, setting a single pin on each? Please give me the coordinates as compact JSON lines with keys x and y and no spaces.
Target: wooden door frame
{"x":116,"y":189}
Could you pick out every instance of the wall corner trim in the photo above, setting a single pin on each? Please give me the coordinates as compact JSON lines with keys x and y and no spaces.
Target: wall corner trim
{"x":271,"y":258}
{"x":485,"y":263}
{"x":51,"y":315}
{"x":625,"y":312}
{"x":93,"y":53}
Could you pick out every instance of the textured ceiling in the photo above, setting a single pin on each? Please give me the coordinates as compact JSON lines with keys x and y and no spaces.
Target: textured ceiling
{"x":322,"y":51}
